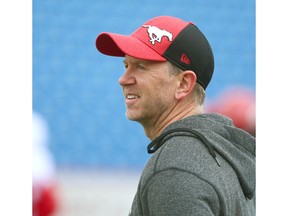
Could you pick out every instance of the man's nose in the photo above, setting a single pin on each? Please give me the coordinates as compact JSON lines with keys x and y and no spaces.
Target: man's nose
{"x":127,"y":78}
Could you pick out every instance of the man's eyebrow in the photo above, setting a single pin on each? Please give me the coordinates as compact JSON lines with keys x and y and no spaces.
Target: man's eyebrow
{"x":134,"y":61}
{"x":125,"y":61}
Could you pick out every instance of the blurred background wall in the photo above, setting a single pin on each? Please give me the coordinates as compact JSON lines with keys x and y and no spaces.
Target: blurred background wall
{"x":76,"y":88}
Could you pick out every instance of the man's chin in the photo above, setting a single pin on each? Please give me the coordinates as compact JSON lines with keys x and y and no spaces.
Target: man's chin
{"x":132,"y":116}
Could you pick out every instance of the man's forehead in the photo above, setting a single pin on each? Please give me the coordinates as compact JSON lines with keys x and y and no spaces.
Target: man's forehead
{"x":132,"y":60}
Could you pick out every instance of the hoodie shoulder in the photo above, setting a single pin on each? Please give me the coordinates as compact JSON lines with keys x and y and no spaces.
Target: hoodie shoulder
{"x":234,"y":147}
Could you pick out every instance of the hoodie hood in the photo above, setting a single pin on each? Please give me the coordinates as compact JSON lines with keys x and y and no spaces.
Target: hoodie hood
{"x":219,"y":134}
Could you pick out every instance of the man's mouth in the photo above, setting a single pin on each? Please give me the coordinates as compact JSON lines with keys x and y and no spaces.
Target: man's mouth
{"x":131,"y":99}
{"x":131,"y":96}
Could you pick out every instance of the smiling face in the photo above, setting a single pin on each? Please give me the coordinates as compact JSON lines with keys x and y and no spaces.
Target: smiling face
{"x":149,"y":90}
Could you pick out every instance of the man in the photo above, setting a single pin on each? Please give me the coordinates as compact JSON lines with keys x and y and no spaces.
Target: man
{"x":237,"y":103}
{"x":44,"y":184}
{"x":201,"y":163}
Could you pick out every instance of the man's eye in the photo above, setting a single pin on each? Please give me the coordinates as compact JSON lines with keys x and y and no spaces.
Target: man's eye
{"x":141,"y":67}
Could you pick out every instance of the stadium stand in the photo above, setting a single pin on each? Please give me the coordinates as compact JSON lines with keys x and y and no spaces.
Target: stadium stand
{"x":76,"y":88}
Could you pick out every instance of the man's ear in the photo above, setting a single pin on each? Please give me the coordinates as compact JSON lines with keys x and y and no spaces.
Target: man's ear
{"x":187,"y":81}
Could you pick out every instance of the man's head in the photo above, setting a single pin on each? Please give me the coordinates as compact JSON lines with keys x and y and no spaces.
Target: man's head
{"x":168,"y":63}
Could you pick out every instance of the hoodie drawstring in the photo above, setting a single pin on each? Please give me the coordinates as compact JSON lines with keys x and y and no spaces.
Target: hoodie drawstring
{"x":159,"y":141}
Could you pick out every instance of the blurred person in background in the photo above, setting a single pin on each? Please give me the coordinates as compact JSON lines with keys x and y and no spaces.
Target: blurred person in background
{"x":44,"y":184}
{"x":237,"y":103}
{"x":201,"y":164}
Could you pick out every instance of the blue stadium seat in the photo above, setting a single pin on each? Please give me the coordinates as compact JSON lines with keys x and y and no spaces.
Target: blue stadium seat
{"x":76,"y":88}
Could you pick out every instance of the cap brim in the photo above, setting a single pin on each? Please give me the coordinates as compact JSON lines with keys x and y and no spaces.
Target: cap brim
{"x":120,"y":45}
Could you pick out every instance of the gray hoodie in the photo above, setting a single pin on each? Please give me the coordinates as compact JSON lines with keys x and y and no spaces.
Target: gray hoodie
{"x":201,"y":165}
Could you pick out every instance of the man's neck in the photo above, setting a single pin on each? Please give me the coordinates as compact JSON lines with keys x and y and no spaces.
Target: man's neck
{"x":177,"y":113}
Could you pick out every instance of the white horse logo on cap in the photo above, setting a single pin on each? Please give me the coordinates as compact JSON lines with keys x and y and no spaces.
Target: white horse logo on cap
{"x":156,"y":34}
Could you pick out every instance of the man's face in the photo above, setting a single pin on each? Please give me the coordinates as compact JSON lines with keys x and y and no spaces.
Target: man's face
{"x":149,"y":90}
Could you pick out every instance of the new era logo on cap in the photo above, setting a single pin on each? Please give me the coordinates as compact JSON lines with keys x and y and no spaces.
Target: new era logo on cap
{"x":185,"y":59}
{"x":164,"y":38}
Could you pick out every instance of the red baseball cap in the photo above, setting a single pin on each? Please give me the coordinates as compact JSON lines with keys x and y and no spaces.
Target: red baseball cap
{"x":164,"y":38}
